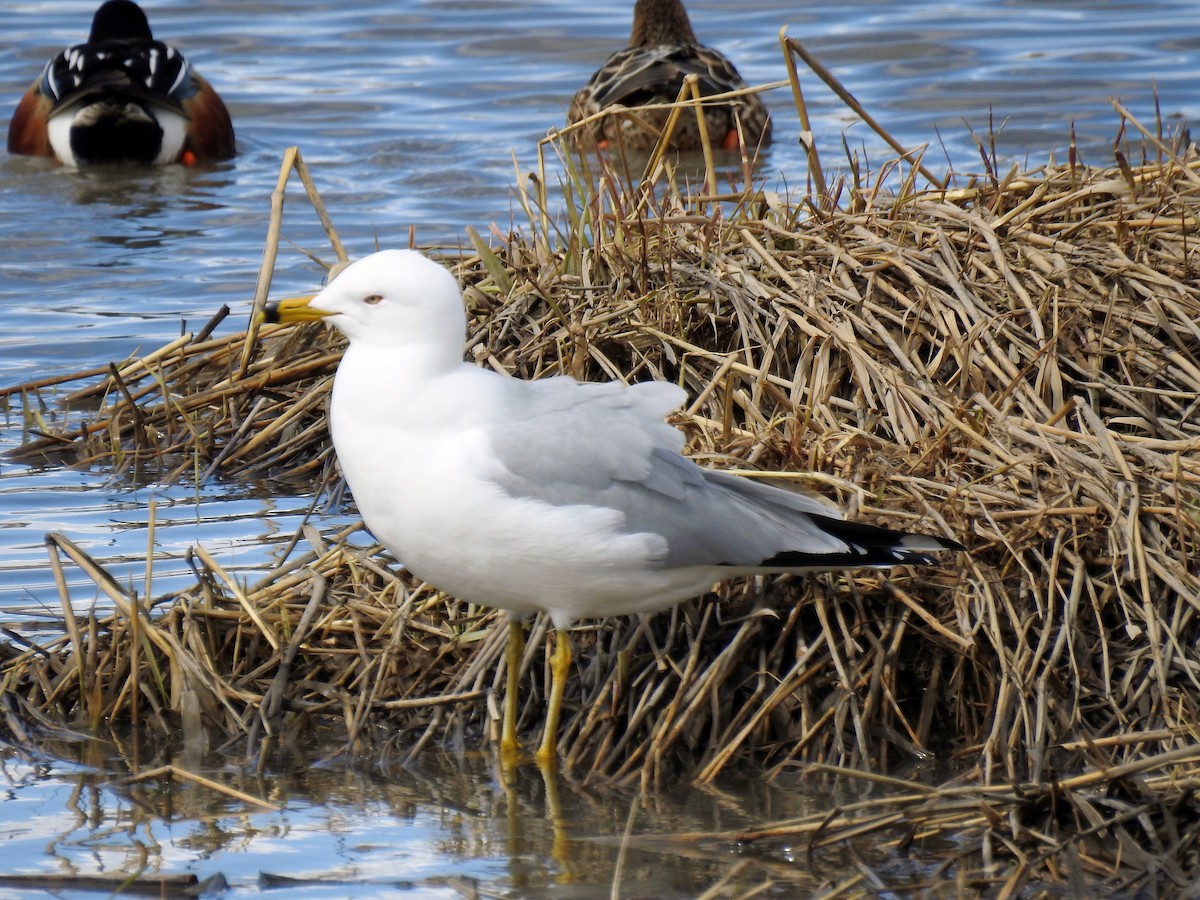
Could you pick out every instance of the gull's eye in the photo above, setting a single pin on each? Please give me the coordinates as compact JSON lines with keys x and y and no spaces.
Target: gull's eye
{"x":372,"y":299}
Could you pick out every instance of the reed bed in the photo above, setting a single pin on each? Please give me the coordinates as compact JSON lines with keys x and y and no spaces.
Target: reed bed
{"x":1014,"y":362}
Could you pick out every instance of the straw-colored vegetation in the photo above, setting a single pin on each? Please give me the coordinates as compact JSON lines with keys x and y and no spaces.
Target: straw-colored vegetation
{"x":1015,"y":363}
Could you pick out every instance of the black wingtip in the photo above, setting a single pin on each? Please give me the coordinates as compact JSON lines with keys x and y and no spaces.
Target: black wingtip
{"x":870,"y":547}
{"x":859,"y":558}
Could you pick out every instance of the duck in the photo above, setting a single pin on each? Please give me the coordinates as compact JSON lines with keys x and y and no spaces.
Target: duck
{"x":555,"y":496}
{"x":662,"y":50}
{"x":121,"y":97}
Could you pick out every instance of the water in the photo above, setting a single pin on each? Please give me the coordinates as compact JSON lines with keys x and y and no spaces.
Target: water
{"x":417,"y":115}
{"x":440,"y":830}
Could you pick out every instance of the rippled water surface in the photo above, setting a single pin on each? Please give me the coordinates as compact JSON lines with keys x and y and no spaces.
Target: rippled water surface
{"x":416,"y":115}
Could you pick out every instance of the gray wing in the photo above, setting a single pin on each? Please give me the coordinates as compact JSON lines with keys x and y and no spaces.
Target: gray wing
{"x":566,"y":443}
{"x":607,"y":446}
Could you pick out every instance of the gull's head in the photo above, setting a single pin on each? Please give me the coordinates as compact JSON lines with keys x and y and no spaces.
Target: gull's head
{"x":388,"y":299}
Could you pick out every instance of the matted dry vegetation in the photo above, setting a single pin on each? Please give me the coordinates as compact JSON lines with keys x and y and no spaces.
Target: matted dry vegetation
{"x":1015,"y":363}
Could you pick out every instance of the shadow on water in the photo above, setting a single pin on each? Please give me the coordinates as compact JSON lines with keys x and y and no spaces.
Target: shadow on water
{"x":137,"y":209}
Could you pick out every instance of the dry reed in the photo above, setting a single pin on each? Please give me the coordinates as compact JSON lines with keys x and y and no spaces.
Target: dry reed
{"x":1015,"y":363}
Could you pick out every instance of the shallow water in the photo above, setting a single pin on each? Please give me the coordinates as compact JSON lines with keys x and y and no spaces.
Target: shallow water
{"x":449,"y":827}
{"x":417,"y":115}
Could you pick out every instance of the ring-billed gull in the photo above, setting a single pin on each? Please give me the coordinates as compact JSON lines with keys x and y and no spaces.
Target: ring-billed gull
{"x":553,"y":495}
{"x":121,"y":97}
{"x":662,"y":51}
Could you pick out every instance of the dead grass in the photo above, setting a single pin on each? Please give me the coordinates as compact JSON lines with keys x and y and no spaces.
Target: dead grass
{"x":1015,"y":363}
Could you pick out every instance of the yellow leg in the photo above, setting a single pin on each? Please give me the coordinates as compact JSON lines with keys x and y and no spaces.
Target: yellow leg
{"x":560,"y":664}
{"x":513,"y":656}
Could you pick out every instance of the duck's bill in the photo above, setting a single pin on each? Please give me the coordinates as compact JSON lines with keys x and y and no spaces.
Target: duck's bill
{"x":293,"y":309}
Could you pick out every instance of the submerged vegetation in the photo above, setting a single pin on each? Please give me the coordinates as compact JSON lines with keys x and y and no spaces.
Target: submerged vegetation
{"x":1013,"y":361}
